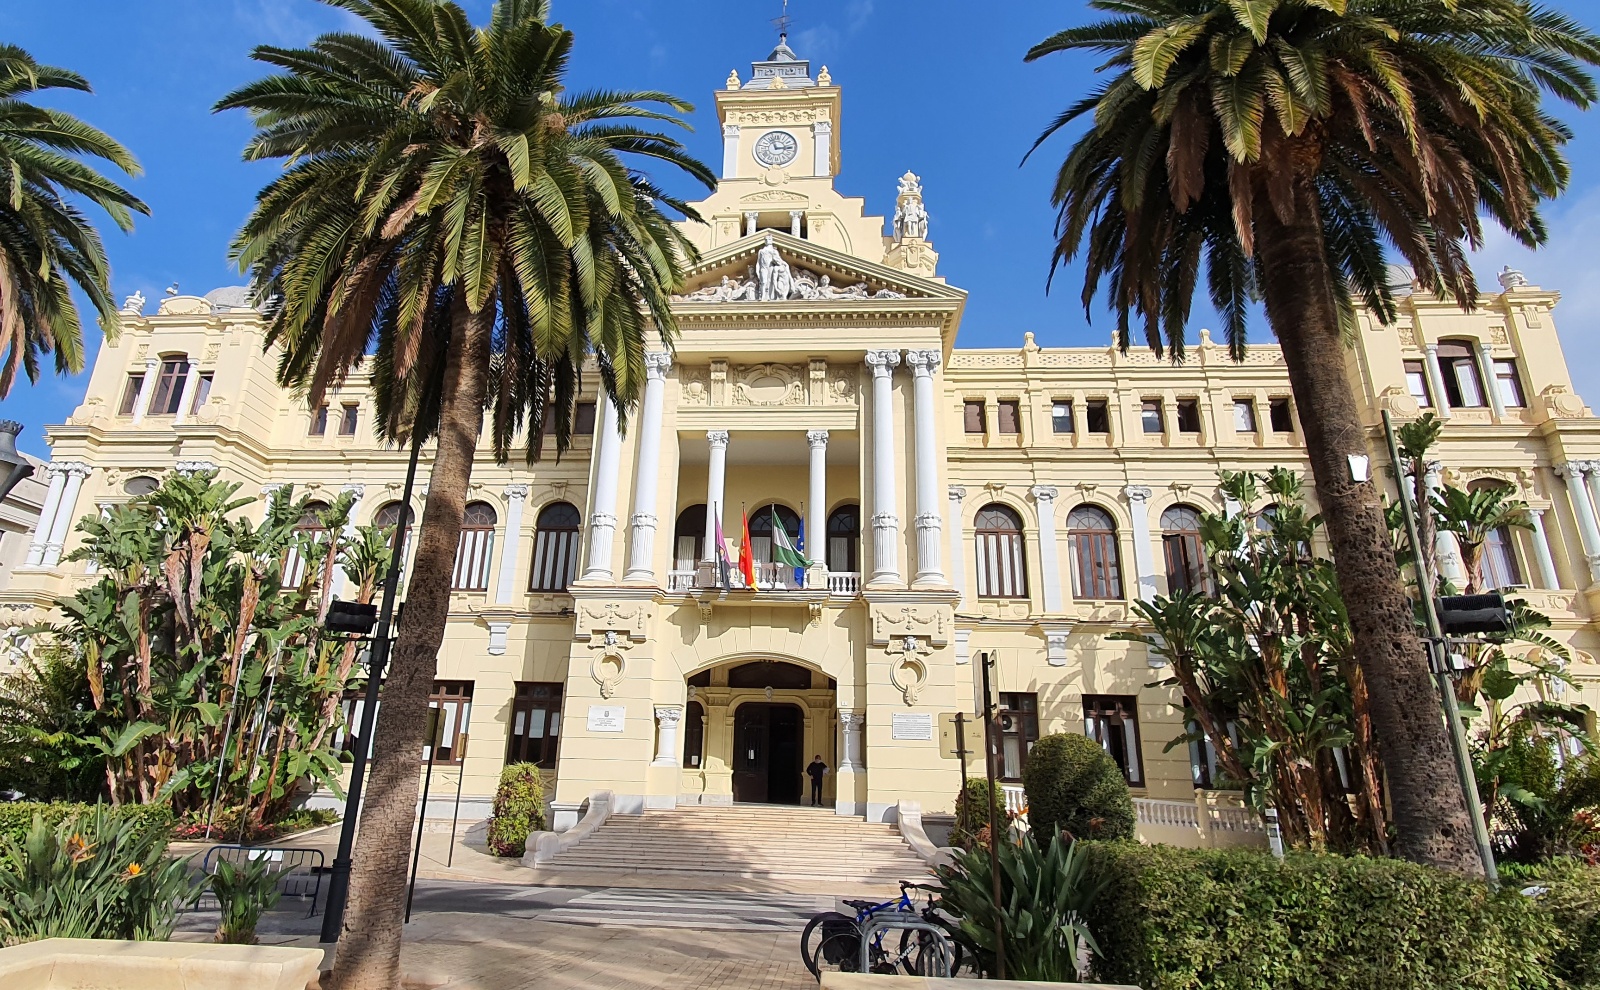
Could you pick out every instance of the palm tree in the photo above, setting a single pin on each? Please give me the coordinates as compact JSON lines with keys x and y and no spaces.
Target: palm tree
{"x":1282,"y":143}
{"x":447,"y":205}
{"x":47,"y":244}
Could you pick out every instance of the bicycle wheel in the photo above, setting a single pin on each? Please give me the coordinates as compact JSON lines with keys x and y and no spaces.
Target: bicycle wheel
{"x":837,"y":953}
{"x":821,"y":929}
{"x":923,"y":953}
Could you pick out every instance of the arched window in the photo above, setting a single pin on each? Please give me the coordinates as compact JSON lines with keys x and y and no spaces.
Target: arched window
{"x":761,"y":530}
{"x":694,"y":734}
{"x":844,"y":539}
{"x":1500,"y":568}
{"x":309,"y":528}
{"x":776,"y":674}
{"x":142,"y":485}
{"x":388,"y":517}
{"x":555,"y":547}
{"x":1463,"y":386}
{"x":689,"y":538}
{"x":1092,"y":543}
{"x":1002,"y":571}
{"x":476,"y":548}
{"x":1180,"y":544}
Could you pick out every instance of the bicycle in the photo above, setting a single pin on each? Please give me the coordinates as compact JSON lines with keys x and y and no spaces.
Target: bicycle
{"x":831,"y":941}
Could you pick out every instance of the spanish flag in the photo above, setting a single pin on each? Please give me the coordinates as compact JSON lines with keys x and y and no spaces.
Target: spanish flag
{"x":747,"y":561}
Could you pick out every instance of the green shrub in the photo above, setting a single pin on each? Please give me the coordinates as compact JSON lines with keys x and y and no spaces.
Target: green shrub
{"x":972,"y":817}
{"x":99,"y":875}
{"x":1177,"y":919}
{"x":1569,"y":892}
{"x":1074,"y":785}
{"x":244,"y":894}
{"x":17,"y":818}
{"x":518,"y":809}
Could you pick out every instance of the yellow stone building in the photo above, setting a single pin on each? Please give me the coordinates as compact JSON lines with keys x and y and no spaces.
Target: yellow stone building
{"x":961,"y":503}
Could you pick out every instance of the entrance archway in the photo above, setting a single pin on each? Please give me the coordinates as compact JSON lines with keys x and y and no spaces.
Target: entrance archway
{"x":768,"y":753}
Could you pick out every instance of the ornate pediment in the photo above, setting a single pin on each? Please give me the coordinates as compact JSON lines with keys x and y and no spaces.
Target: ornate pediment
{"x":777,"y":268}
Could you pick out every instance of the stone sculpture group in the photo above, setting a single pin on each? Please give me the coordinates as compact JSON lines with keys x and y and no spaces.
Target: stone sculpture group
{"x":772,"y":279}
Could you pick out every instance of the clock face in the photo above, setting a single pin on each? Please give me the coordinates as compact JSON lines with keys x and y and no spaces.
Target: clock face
{"x":776,"y":148}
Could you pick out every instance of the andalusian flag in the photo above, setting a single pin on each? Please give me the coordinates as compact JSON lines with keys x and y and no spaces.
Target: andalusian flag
{"x":783,"y":552}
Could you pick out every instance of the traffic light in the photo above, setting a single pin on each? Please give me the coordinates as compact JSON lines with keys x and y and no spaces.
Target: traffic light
{"x":351,"y":618}
{"x":1465,"y":615}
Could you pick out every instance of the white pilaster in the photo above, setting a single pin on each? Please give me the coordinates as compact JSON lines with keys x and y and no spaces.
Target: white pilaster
{"x":795,"y":217}
{"x":885,"y":522}
{"x":930,"y":569}
{"x":667,"y":719}
{"x":359,"y":491}
{"x":958,"y":546}
{"x":1446,"y":548}
{"x":641,"y":550}
{"x":47,"y":515}
{"x":1441,"y":401}
{"x":1044,"y":498}
{"x":603,"y":516}
{"x":516,"y":498}
{"x":850,"y":753}
{"x":730,"y":150}
{"x":1486,"y":372}
{"x":716,"y":475}
{"x":822,"y":138}
{"x":1144,"y":561}
{"x":817,"y":498}
{"x":76,"y":471}
{"x":1588,"y":528}
{"x":141,"y":404}
{"x":191,"y":381}
{"x":751,"y":218}
{"x":1541,"y":551}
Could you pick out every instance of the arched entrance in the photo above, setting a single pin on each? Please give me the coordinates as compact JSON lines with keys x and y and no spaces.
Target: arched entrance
{"x":761,"y":723}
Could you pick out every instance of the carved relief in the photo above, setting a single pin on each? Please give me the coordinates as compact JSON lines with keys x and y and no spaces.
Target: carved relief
{"x":1497,"y":335}
{"x":908,"y":672}
{"x":768,"y":385}
{"x":759,"y":117}
{"x":695,"y":386}
{"x":930,"y":621}
{"x":1408,"y":335}
{"x":777,"y":196}
{"x":842,"y":392}
{"x":611,"y":623}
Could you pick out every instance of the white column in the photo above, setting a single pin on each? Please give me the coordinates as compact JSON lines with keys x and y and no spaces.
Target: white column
{"x":667,"y":719}
{"x":958,"y":546}
{"x":817,"y":498}
{"x":751,"y":218}
{"x":1441,"y":401}
{"x":359,"y":491}
{"x":1490,"y":385}
{"x":730,"y":150}
{"x":191,"y":381}
{"x":141,"y":404}
{"x":885,"y":523}
{"x":1541,"y":551}
{"x":47,"y":515}
{"x":1044,"y":497}
{"x":1446,"y":548}
{"x":795,"y":216}
{"x":62,"y":524}
{"x":1588,"y":528}
{"x":641,"y":550}
{"x":1144,"y":561}
{"x":603,"y":514}
{"x":716,"y":475}
{"x":822,"y":137}
{"x":930,"y":570}
{"x":850,"y":753}
{"x":516,"y":498}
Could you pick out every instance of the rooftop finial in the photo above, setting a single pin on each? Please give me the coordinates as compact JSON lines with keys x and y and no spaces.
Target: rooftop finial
{"x":782,"y":22}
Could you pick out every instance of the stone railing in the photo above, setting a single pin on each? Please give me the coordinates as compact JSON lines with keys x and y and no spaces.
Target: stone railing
{"x":680,"y":582}
{"x":1016,"y":798}
{"x":844,"y":582}
{"x":1213,"y":819}
{"x":769,"y":577}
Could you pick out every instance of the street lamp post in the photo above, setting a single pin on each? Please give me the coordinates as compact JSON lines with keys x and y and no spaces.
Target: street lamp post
{"x":13,"y":466}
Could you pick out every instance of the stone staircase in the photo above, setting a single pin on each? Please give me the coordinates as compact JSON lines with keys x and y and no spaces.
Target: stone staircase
{"x":751,"y":842}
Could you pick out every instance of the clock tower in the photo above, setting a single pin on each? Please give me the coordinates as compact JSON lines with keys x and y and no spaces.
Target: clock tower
{"x":782,"y":124}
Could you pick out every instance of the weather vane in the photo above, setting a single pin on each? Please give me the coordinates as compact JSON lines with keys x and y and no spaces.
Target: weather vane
{"x":782,"y":23}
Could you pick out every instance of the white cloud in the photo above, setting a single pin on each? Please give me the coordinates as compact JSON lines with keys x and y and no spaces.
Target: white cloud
{"x":1566,"y":264}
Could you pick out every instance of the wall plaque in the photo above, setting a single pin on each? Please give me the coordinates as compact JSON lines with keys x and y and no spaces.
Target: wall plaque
{"x":607,"y":718}
{"x":912,"y":725}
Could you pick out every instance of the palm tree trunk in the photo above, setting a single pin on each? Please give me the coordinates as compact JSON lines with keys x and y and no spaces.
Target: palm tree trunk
{"x":369,"y":947}
{"x":1430,"y":812}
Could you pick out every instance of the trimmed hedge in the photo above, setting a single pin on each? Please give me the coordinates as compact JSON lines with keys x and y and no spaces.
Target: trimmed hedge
{"x":518,"y":809}
{"x":1569,"y":892}
{"x":972,"y":815}
{"x":1178,"y":919}
{"x":1074,"y":784}
{"x":17,"y":817}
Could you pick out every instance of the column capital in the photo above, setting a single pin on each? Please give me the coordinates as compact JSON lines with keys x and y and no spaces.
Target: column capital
{"x":597,"y":519}
{"x":1049,"y":493}
{"x":1137,"y":493}
{"x":922,"y":363}
{"x":852,"y":720}
{"x":151,"y":364}
{"x":928,"y":520}
{"x":79,"y":469}
{"x":267,"y":491}
{"x":194,"y":467}
{"x":730,"y":130}
{"x":957,"y":493}
{"x":516,"y":493}
{"x":717,"y":438}
{"x":642,"y":520}
{"x":885,"y":520}
{"x":817,"y":438}
{"x":883,"y":363}
{"x":359,"y":491}
{"x":669,"y":714}
{"x":656,"y":364}
{"x":1431,"y":348}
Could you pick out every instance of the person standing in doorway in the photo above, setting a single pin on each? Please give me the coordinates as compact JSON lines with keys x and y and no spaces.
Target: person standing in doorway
{"x":816,"y":771}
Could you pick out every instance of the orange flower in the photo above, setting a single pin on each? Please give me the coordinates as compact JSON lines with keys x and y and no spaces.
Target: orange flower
{"x":133,"y":870}
{"x":78,"y":849}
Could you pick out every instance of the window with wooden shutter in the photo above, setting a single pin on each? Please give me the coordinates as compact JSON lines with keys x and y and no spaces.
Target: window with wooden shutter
{"x":1002,"y":570}
{"x":453,"y":699}
{"x":476,"y":548}
{"x":1096,"y":565}
{"x":1010,"y":418}
{"x":1180,"y":544}
{"x":1113,"y":722}
{"x":169,"y":387}
{"x":972,"y":417}
{"x":535,"y":724}
{"x":555,"y":547}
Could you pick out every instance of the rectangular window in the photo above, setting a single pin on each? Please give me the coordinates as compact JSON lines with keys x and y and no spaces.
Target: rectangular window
{"x":1113,"y":722}
{"x":1010,"y":419}
{"x":1509,"y":384}
{"x":1282,"y":420}
{"x":130,"y":395}
{"x":583,"y":420}
{"x":1097,"y":416}
{"x":319,"y":421}
{"x":453,"y":699}
{"x":1001,"y":570}
{"x":202,"y":393}
{"x":1417,"y":384}
{"x":1188,"y":415}
{"x":1150,"y":416}
{"x":1186,"y":562}
{"x":169,"y":387}
{"x":973,"y":418}
{"x":535,"y":724}
{"x":347,"y":419}
{"x":1061,"y":417}
{"x":1244,"y":415}
{"x":1019,"y":730}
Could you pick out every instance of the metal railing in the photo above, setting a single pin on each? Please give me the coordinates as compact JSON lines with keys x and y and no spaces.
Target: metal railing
{"x":299,"y":871}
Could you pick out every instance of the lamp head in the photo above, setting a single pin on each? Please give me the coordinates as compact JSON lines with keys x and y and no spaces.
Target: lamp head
{"x":13,"y":466}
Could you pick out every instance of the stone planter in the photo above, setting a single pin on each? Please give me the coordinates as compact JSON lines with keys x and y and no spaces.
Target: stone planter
{"x":104,"y":964}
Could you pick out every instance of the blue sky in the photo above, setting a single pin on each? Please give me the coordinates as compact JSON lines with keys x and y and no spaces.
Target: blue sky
{"x":929,"y":85}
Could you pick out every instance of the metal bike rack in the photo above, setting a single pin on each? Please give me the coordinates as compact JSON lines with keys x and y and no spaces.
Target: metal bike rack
{"x":887,"y":921}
